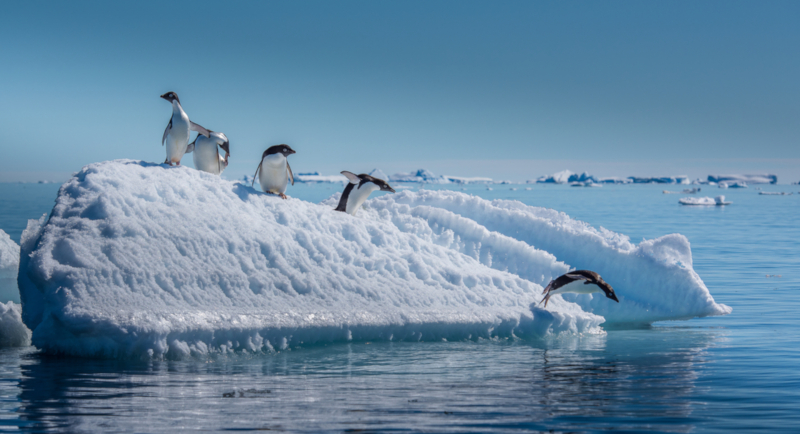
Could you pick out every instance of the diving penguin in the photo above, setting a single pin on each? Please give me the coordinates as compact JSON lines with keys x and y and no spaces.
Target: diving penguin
{"x":274,"y":171}
{"x":176,"y":136}
{"x":578,"y":282}
{"x":206,"y":156}
{"x":357,"y":191}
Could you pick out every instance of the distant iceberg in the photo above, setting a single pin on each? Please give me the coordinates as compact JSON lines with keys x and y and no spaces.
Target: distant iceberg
{"x":719,"y":200}
{"x":556,"y":178}
{"x":566,"y":176}
{"x":747,"y":179}
{"x":469,"y":180}
{"x":144,"y":261}
{"x":732,"y":184}
{"x":660,"y":180}
{"x":315,"y":177}
{"x":421,"y":175}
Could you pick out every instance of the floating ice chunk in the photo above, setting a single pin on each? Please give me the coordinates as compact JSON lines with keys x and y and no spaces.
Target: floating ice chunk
{"x":9,"y":264}
{"x":719,"y":200}
{"x":141,"y":260}
{"x":13,"y":332}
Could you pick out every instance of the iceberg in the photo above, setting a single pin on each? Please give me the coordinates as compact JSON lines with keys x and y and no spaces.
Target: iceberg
{"x":13,"y":332}
{"x":745,"y":179}
{"x":469,"y":180}
{"x":421,"y":175}
{"x":732,"y":184}
{"x":660,"y":180}
{"x":139,"y":260}
{"x":556,"y":178}
{"x":315,"y":177}
{"x":9,"y":264}
{"x":719,"y":200}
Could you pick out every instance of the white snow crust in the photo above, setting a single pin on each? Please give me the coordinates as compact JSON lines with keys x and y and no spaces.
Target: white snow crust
{"x":13,"y":332}
{"x":9,"y":265}
{"x":142,"y":260}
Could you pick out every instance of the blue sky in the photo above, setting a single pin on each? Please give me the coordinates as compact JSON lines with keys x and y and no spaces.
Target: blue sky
{"x":510,"y":90}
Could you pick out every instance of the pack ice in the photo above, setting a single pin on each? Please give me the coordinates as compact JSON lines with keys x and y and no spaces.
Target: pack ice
{"x":142,"y":260}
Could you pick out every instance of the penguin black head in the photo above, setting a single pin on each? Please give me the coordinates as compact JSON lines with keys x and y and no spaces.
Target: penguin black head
{"x":285,"y":150}
{"x":364,"y":178}
{"x":377,"y":181}
{"x":594,"y":278}
{"x":171,"y":96}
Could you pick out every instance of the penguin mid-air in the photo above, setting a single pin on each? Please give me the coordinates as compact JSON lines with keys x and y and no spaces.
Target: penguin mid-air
{"x":274,"y":171}
{"x":357,"y":191}
{"x":176,"y":136}
{"x":206,"y":156}
{"x":578,"y":282}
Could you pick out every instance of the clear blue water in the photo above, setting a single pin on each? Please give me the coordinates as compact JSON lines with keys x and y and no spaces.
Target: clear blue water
{"x":737,"y":372}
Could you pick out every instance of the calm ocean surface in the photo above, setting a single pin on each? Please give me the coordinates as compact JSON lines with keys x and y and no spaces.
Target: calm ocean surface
{"x":737,"y":372}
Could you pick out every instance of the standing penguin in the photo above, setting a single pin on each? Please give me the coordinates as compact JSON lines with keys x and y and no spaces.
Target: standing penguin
{"x":176,"y":136}
{"x":206,"y":156}
{"x":274,"y":171}
{"x":358,"y":190}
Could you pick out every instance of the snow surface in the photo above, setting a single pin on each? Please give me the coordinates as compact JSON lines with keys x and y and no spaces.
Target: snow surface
{"x":9,"y":264}
{"x":13,"y":332}
{"x":143,"y":260}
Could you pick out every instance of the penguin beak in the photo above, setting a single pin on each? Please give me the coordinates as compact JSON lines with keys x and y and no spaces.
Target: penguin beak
{"x":165,"y":97}
{"x":388,"y":188}
{"x":613,"y":297}
{"x":292,"y":151}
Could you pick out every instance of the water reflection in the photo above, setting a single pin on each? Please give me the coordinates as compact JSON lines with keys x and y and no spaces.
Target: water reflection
{"x":637,"y":379}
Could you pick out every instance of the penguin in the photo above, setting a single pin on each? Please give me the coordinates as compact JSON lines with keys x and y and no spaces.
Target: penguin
{"x":357,"y":191}
{"x":274,"y":171}
{"x":176,"y":136}
{"x":578,"y":282}
{"x":206,"y":156}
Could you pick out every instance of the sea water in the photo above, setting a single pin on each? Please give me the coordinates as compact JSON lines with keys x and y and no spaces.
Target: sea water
{"x":736,"y":372}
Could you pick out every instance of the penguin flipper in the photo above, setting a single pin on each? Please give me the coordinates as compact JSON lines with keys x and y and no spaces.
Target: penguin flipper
{"x":256,"y":174}
{"x":289,"y":169}
{"x":352,"y":177}
{"x":190,"y":147}
{"x":166,"y":132}
{"x":199,"y":128}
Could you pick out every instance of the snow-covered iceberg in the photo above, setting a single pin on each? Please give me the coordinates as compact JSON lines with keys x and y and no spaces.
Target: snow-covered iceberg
{"x":142,"y":260}
{"x":763,"y":178}
{"x":9,"y":264}
{"x":421,"y":175}
{"x":660,"y":180}
{"x":13,"y":332}
{"x":556,"y":178}
{"x":719,"y":200}
{"x":315,"y":177}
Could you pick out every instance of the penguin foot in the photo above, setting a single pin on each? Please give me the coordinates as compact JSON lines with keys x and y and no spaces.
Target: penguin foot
{"x":283,"y":196}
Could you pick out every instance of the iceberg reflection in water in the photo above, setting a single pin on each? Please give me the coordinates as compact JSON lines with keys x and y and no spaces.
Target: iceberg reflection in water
{"x":634,"y":379}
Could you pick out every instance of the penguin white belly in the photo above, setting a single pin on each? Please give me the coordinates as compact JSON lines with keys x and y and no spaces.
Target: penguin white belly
{"x":273,"y":175}
{"x":178,"y":138}
{"x":358,"y":196}
{"x":206,"y":156}
{"x":578,"y":287}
